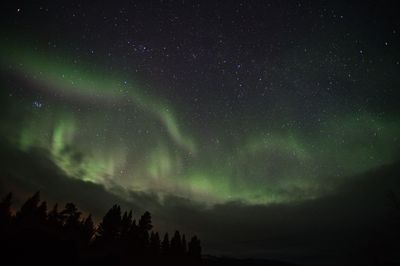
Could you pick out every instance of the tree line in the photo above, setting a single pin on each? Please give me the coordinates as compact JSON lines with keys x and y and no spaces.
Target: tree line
{"x":35,"y":235}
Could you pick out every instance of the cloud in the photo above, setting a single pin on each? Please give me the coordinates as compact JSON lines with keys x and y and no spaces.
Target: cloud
{"x":341,"y":225}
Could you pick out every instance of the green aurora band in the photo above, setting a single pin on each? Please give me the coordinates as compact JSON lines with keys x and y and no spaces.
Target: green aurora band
{"x":146,"y":148}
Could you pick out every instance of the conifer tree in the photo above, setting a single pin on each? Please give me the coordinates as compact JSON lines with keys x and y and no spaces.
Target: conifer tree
{"x":54,"y":218}
{"x":165,"y":244}
{"x":194,"y":248}
{"x":87,"y":229}
{"x":28,"y":213}
{"x":110,"y":226}
{"x":155,"y":243}
{"x":184,"y":244}
{"x":126,"y":224}
{"x":5,"y":210}
{"x":176,"y":244}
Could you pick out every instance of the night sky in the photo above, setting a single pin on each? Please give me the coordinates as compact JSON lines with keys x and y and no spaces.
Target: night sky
{"x":266,"y":127}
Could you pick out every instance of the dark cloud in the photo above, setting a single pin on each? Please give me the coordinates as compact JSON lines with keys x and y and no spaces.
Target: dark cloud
{"x":346,"y":224}
{"x":26,"y":172}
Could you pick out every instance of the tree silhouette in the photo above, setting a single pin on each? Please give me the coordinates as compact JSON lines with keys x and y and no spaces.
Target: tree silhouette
{"x":126,"y":224}
{"x":144,"y":227}
{"x":71,"y":221}
{"x":155,"y":243}
{"x":87,"y":229}
{"x":42,"y":212}
{"x":5,"y":210}
{"x":54,"y":218}
{"x":28,"y":214}
{"x":194,"y":248}
{"x":165,"y":244}
{"x":183,"y":244}
{"x":133,"y":234}
{"x":145,"y":222}
{"x":109,"y":228}
{"x":70,"y":215}
{"x":176,"y":244}
{"x":34,"y":233}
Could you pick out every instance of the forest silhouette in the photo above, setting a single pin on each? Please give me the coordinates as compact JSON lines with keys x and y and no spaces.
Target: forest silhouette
{"x":35,"y":235}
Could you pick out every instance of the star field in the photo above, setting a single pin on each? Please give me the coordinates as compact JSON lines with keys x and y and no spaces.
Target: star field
{"x":280,"y":118}
{"x":256,"y":102}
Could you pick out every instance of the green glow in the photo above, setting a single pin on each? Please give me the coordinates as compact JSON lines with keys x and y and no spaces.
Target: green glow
{"x":161,"y":163}
{"x":378,"y":145}
{"x":26,"y":140}
{"x":63,"y":135}
{"x":75,"y":81}
{"x":173,"y":129}
{"x":96,"y":168}
{"x":146,"y":149}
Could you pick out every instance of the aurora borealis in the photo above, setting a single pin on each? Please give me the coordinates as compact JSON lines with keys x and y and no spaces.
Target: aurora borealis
{"x":257,"y":104}
{"x":144,"y":148}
